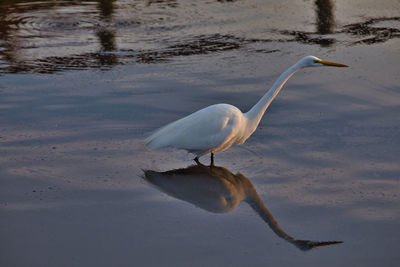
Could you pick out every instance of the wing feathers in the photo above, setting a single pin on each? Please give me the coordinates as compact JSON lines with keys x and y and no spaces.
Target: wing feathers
{"x":200,"y":131}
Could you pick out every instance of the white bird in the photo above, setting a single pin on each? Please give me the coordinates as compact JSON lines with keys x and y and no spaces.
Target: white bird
{"x":217,"y":127}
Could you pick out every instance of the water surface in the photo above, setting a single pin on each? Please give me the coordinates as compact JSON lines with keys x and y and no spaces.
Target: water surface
{"x":82,"y":83}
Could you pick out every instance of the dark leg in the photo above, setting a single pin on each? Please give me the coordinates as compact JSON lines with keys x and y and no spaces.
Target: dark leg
{"x":196,"y":159}
{"x":212,"y":159}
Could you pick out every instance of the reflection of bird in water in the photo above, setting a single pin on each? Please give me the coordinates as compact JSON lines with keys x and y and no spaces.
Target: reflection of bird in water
{"x":218,"y":190}
{"x":217,"y":127}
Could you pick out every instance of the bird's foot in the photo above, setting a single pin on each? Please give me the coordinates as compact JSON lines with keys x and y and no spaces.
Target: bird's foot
{"x":212,"y":160}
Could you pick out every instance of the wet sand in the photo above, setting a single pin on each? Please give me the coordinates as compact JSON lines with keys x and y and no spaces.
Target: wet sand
{"x":78,"y":96}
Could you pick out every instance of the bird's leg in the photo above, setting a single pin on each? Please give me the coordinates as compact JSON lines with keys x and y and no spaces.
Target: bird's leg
{"x":196,"y":159}
{"x":212,"y":160}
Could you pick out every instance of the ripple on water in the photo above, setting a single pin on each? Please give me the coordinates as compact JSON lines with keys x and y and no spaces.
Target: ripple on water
{"x":46,"y":37}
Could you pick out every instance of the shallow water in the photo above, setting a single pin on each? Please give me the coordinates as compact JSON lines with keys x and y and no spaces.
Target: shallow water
{"x":82,"y":83}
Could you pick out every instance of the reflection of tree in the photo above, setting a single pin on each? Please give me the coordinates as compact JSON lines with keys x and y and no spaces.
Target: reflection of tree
{"x":325,"y":20}
{"x":106,"y":8}
{"x":107,"y":41}
{"x":325,"y":25}
{"x":9,"y":44}
{"x":11,"y":41}
{"x":325,"y":16}
{"x":216,"y":189}
{"x":105,"y":35}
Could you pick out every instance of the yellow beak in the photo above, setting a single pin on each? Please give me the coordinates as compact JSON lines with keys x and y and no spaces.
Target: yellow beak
{"x":332,"y":64}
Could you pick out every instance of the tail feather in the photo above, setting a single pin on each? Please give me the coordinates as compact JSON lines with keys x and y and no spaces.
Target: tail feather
{"x":165,"y":136}
{"x":154,"y":141}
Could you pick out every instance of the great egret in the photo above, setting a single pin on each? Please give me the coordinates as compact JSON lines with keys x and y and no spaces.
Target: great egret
{"x":217,"y":127}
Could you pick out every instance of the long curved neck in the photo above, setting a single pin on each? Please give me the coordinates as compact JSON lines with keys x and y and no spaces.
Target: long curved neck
{"x":255,"y":114}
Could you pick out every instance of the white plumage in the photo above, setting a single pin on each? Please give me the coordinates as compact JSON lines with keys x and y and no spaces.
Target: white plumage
{"x":212,"y":129}
{"x":217,"y":127}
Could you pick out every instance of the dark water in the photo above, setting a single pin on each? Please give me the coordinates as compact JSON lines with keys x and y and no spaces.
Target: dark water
{"x":51,"y":36}
{"x":82,"y":83}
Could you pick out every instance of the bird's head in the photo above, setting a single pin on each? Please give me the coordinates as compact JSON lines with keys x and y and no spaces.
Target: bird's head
{"x":311,"y":61}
